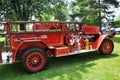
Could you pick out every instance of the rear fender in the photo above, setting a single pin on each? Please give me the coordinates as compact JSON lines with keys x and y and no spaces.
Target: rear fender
{"x":24,"y":45}
{"x":99,"y":41}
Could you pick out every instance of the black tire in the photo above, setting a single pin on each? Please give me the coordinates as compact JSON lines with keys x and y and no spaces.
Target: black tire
{"x":34,"y":60}
{"x":106,"y":47}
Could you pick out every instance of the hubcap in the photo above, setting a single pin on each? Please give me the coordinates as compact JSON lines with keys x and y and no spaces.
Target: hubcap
{"x":107,"y":47}
{"x":35,"y":61}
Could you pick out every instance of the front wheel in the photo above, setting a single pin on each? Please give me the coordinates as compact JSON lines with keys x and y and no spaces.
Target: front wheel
{"x":34,"y":60}
{"x":106,"y":47}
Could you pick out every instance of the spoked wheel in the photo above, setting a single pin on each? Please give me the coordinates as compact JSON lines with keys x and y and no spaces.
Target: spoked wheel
{"x":34,"y":60}
{"x":106,"y":47}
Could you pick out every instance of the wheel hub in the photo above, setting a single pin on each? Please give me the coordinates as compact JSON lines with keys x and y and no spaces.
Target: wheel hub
{"x":35,"y":61}
{"x":107,"y":47}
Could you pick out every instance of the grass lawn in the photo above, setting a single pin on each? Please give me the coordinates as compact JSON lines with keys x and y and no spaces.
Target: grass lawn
{"x":89,"y":66}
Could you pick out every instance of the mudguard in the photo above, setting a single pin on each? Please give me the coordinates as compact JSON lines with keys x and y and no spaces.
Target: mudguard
{"x":99,"y":41}
{"x":30,"y":43}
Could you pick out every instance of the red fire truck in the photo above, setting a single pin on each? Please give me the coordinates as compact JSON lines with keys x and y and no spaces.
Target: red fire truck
{"x":39,"y":40}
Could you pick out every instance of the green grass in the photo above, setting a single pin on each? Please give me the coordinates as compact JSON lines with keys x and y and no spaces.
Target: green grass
{"x":89,"y":66}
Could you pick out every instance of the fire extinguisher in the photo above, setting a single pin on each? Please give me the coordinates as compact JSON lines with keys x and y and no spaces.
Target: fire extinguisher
{"x":87,"y":44}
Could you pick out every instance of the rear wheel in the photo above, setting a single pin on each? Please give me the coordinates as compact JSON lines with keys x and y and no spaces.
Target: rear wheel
{"x":34,"y":60}
{"x":106,"y":47}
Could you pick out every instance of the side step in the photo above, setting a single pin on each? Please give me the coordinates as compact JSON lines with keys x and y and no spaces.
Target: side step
{"x":77,"y":52}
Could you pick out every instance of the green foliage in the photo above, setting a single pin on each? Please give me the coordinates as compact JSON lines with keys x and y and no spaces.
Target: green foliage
{"x":117,"y":23}
{"x":60,"y":10}
{"x":57,"y":10}
{"x":45,"y":10}
{"x":87,"y":10}
{"x":24,"y":9}
{"x":45,"y":17}
{"x":113,"y":2}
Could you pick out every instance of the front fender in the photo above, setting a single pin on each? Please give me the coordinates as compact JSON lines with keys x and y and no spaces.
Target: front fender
{"x":28,"y":44}
{"x":99,"y":41}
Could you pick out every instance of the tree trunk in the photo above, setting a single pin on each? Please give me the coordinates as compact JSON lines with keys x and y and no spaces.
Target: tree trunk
{"x":100,"y":24}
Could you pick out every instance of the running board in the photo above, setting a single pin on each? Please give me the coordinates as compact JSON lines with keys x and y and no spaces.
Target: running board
{"x":76,"y":52}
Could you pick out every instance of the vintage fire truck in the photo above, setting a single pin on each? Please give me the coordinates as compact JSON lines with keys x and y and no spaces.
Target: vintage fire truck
{"x":40,"y":40}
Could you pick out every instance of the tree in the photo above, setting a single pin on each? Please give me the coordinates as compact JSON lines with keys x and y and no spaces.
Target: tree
{"x":21,"y":9}
{"x":87,"y":10}
{"x":24,"y":9}
{"x":60,"y":10}
{"x":57,"y":10}
{"x":107,"y":14}
{"x":117,"y":22}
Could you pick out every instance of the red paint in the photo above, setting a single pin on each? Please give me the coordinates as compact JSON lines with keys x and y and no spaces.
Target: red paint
{"x":61,"y":51}
{"x":91,"y":29}
{"x":53,"y":37}
{"x":107,"y":47}
{"x":35,"y":61}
